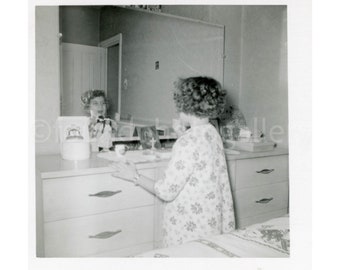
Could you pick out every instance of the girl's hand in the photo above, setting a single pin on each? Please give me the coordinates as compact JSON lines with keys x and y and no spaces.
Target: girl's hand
{"x":178,"y":127}
{"x":125,"y":170}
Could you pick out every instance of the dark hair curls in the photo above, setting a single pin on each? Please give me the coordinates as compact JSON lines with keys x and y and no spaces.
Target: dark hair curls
{"x":200,"y":96}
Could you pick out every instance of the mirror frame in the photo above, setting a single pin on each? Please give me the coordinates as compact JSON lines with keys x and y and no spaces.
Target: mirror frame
{"x":116,"y":40}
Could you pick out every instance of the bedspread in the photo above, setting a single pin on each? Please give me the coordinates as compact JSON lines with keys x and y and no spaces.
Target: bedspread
{"x":262,"y":240}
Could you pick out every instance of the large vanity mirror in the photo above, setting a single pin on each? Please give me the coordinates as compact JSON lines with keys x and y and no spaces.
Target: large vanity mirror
{"x":135,"y":56}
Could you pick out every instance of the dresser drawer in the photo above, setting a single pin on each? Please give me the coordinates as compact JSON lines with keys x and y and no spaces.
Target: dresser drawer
{"x":99,"y":233}
{"x":260,"y":171}
{"x":93,"y":194}
{"x":244,"y":222}
{"x":127,"y":252}
{"x":260,"y":200}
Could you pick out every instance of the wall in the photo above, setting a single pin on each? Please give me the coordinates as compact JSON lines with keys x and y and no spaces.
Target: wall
{"x":189,"y":11}
{"x":255,"y":68}
{"x":264,"y":87}
{"x":182,"y":48}
{"x":47,"y":95}
{"x":80,"y":25}
{"x":231,"y":18}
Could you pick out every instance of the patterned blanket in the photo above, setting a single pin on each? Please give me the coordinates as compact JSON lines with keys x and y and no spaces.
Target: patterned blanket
{"x":263,"y":240}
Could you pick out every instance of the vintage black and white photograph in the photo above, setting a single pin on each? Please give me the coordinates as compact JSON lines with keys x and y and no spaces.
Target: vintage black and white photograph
{"x":148,"y":137}
{"x":194,"y":195}
{"x":169,"y":134}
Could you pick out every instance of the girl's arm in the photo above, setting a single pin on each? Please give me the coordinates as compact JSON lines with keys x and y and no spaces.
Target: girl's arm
{"x":178,"y":171}
{"x":128,"y":172}
{"x":146,"y":183}
{"x":175,"y":177}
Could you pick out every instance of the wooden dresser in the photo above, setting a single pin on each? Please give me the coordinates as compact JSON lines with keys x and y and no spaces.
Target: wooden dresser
{"x":82,"y":211}
{"x":88,"y":213}
{"x":260,"y":185}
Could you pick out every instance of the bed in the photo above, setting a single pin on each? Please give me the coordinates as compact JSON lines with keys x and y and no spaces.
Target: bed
{"x":263,"y":240}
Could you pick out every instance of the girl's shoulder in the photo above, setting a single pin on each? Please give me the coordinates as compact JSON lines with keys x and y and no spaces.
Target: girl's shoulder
{"x":184,"y":140}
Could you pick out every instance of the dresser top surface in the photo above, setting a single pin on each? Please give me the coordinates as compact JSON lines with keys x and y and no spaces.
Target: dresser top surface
{"x":50,"y":166}
{"x":246,"y":155}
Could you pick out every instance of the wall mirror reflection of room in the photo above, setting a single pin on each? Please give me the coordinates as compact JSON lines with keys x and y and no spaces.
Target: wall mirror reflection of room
{"x":252,"y":66}
{"x":156,"y":50}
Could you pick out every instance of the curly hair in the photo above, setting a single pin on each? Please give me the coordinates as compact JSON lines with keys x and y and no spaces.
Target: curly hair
{"x":200,"y":96}
{"x":91,"y":94}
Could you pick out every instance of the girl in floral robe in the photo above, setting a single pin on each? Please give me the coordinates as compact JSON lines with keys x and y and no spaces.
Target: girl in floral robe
{"x":195,"y":187}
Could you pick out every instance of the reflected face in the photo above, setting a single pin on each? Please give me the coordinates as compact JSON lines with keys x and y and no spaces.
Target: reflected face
{"x":148,"y":134}
{"x":98,"y":106}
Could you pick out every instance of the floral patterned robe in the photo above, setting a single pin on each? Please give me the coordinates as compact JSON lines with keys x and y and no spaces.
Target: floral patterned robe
{"x":196,"y":188}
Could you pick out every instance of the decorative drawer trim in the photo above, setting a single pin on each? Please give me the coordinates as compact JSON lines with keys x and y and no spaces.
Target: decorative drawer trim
{"x":265,"y":200}
{"x":105,"y":235}
{"x":266,"y":171}
{"x":105,"y":194}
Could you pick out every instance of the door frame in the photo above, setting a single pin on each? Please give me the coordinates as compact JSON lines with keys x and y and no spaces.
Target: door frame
{"x":112,"y":41}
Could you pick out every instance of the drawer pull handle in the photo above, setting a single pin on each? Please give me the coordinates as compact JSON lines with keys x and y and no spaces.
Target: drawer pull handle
{"x":265,"y":171}
{"x":266,"y":200}
{"x":104,"y":194}
{"x":105,"y":235}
